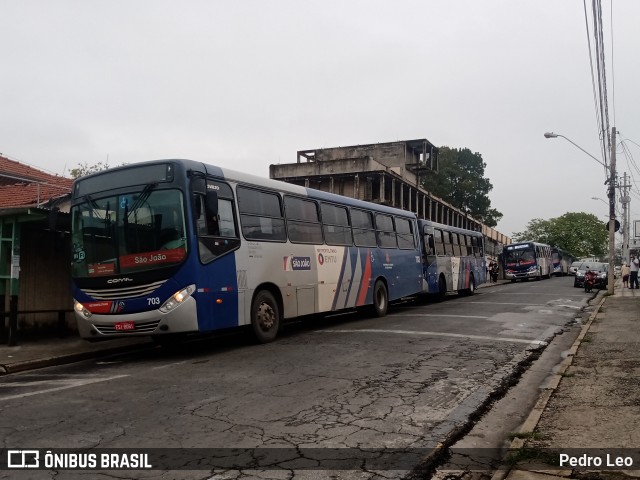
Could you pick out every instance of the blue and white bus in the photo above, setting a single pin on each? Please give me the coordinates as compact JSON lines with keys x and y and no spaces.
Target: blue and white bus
{"x":526,"y":260}
{"x":561,"y":261}
{"x":453,"y":259}
{"x":177,"y":246}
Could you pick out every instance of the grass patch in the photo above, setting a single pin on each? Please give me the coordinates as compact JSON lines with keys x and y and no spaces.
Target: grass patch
{"x":533,"y":456}
{"x":525,"y":435}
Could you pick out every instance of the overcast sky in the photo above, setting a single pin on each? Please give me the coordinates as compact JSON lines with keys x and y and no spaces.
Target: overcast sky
{"x":247,"y":83}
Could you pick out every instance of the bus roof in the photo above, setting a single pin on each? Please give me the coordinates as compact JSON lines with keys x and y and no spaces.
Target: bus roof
{"x":255,"y":180}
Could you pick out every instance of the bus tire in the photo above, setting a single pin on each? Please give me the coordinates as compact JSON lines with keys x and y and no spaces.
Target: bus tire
{"x":265,"y":316}
{"x":380,"y":299}
{"x":472,"y":287}
{"x":442,"y":289}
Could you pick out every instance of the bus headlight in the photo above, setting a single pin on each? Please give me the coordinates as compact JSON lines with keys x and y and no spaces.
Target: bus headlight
{"x":177,"y":298}
{"x":81,"y":309}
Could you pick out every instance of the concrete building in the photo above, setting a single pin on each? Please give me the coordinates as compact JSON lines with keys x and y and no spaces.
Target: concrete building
{"x":387,"y":173}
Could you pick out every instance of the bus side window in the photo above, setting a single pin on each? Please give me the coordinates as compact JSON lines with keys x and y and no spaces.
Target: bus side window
{"x":474,"y":246}
{"x":217,"y":234}
{"x":385,"y":232}
{"x":455,"y":243}
{"x":437,"y":235}
{"x":363,"y":233}
{"x":469,"y":247}
{"x":429,"y":244}
{"x":206,"y":223}
{"x":404,"y":232}
{"x":225,"y":219}
{"x":201,"y":218}
{"x":448,"y":249}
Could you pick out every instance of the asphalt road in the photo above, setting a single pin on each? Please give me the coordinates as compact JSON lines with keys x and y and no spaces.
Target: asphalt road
{"x":351,"y":385}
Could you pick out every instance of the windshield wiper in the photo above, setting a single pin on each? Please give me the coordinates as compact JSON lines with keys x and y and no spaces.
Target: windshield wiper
{"x":94,"y":206}
{"x":141,"y":198}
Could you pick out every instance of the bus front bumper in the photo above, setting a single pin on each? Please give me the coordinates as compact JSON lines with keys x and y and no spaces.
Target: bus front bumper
{"x":520,"y":275}
{"x":182,"y":319}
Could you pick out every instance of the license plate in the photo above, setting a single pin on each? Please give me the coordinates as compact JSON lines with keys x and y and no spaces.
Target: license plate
{"x":125,"y":326}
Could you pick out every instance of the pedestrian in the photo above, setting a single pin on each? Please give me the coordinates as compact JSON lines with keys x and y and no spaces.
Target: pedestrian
{"x":494,"y":272}
{"x":634,"y":266}
{"x":624,"y":271}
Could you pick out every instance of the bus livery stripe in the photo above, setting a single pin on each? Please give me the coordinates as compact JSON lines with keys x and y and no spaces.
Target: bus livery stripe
{"x":364,"y":282}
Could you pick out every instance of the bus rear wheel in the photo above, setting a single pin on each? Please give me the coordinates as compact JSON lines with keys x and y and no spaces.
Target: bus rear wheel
{"x":265,"y":317}
{"x":472,"y":287}
{"x":380,"y":299}
{"x":442,"y":289}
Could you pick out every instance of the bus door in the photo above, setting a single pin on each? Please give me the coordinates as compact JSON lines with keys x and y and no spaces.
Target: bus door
{"x":431,"y":244}
{"x":217,"y":238}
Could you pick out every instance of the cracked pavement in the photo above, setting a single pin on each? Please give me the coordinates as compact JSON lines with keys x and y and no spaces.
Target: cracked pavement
{"x":415,"y":380}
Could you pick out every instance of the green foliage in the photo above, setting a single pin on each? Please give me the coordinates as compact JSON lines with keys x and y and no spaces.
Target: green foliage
{"x":581,"y":234}
{"x":460,"y":181}
{"x":85,"y":169}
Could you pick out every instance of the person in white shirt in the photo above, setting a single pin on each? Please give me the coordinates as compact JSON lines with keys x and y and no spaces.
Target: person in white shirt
{"x":634,"y":266}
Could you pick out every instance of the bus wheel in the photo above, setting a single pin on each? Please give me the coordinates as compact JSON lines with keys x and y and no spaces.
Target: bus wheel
{"x":442,"y":289}
{"x":265,"y":317}
{"x":380,"y":299}
{"x":472,"y":287}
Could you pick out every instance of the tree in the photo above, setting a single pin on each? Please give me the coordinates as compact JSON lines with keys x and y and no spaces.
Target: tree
{"x":85,"y":169}
{"x":581,"y":234}
{"x":460,"y":181}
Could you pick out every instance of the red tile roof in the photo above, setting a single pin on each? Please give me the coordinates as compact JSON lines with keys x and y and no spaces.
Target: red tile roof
{"x":22,"y":185}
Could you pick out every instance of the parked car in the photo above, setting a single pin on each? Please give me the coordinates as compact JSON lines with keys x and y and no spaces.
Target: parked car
{"x":574,"y":266}
{"x":600,"y":268}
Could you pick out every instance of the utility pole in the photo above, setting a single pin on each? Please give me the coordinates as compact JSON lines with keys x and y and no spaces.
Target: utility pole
{"x":612,"y":212}
{"x":625,"y":199}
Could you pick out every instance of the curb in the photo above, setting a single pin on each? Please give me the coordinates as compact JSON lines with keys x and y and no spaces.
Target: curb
{"x":34,"y":364}
{"x":534,"y":416}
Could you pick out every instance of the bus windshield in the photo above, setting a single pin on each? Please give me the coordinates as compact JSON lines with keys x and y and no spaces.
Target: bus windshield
{"x":128,"y":233}
{"x":520,"y":257}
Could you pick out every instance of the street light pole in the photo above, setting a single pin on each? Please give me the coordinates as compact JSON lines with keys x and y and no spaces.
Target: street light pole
{"x":555,"y":135}
{"x":625,"y":199}
{"x":612,"y":212}
{"x":612,"y":199}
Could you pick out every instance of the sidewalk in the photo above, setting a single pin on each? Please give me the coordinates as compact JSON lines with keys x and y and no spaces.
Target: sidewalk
{"x":590,"y":408}
{"x":32,"y":354}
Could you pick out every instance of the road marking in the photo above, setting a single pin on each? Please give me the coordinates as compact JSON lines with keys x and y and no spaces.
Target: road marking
{"x":77,"y":383}
{"x":513,"y":303}
{"x":169,"y":365}
{"x":506,"y":292}
{"x":435,"y":315}
{"x":439,"y":334}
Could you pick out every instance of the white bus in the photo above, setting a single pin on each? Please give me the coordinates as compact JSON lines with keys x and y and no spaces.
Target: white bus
{"x":177,"y":246}
{"x":526,"y":260}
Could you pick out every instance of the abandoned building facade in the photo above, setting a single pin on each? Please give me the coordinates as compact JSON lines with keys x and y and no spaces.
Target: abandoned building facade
{"x":385,"y":173}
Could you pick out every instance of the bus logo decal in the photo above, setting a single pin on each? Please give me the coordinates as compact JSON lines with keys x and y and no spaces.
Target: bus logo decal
{"x":292,"y":263}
